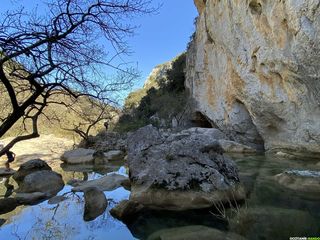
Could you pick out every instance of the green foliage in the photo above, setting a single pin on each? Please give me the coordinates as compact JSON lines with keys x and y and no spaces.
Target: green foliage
{"x":164,"y":94}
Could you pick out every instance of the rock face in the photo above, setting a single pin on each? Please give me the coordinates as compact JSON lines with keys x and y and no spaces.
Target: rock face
{"x":253,"y":71}
{"x":95,"y":203}
{"x":30,"y":167}
{"x":304,"y":181}
{"x":77,"y":156}
{"x":44,"y":181}
{"x":181,"y":172}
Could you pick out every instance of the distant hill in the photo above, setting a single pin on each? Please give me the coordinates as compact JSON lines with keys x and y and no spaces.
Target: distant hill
{"x":162,"y":100}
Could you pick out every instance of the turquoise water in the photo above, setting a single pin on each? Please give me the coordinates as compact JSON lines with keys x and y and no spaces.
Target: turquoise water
{"x":283,"y":211}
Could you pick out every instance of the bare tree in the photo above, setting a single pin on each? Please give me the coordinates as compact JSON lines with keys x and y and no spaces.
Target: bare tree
{"x":91,"y":113}
{"x":61,"y":52}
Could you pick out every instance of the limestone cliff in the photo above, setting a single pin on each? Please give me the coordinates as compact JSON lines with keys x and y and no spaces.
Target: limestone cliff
{"x":253,"y":70}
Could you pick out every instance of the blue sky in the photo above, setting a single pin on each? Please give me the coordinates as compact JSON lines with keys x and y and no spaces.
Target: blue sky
{"x":163,"y":36}
{"x":159,"y":38}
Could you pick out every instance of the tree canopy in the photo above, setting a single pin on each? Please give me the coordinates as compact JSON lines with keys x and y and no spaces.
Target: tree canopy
{"x":63,"y":52}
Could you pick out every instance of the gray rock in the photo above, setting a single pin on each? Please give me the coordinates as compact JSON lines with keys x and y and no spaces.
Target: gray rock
{"x":57,"y":199}
{"x":75,"y":182}
{"x":304,"y":181}
{"x":143,"y":138}
{"x":8,"y":205}
{"x":106,"y":183}
{"x":193,"y":233}
{"x":126,"y":210}
{"x":273,"y":223}
{"x":234,"y":147}
{"x":45,"y":181}
{"x":182,"y":174}
{"x":30,"y":167}
{"x":30,"y":198}
{"x":113,"y":155}
{"x":77,"y":156}
{"x":253,"y":69}
{"x":95,"y":203}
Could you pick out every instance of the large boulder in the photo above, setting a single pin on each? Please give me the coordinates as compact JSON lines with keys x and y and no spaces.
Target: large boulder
{"x":95,"y":203}
{"x":30,"y":167}
{"x":106,"y":183}
{"x":193,"y":233}
{"x":265,"y":222}
{"x":187,"y":173}
{"x":44,"y":181}
{"x":77,"y":156}
{"x":304,"y":181}
{"x":253,"y":71}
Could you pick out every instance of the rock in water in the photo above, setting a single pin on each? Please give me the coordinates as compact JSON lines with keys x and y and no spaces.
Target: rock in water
{"x":8,"y":205}
{"x":30,"y":167}
{"x":6,"y":172}
{"x":126,"y":210}
{"x":30,"y":198}
{"x":304,"y":181}
{"x":2,"y":221}
{"x":80,"y":155}
{"x":193,"y":233}
{"x":114,"y":155}
{"x":273,"y":223}
{"x":45,"y":181}
{"x":187,"y":173}
{"x":253,"y":69}
{"x":95,"y":203}
{"x":106,"y":183}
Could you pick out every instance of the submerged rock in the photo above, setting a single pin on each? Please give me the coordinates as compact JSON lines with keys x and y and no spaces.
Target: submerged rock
{"x":187,"y":173}
{"x":45,"y":181}
{"x":193,"y":233}
{"x":126,"y":210}
{"x":30,"y":167}
{"x":95,"y":203}
{"x":273,"y":223}
{"x":106,"y":183}
{"x":304,"y":181}
{"x":80,"y":155}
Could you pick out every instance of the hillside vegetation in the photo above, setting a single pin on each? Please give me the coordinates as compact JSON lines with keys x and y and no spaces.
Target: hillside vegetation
{"x":162,"y":98}
{"x":60,"y":119}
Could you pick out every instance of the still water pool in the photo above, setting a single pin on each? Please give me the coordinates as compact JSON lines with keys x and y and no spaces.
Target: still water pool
{"x":270,"y":212}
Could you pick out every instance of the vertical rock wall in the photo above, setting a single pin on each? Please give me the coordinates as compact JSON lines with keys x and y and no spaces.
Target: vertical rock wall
{"x":253,"y":69}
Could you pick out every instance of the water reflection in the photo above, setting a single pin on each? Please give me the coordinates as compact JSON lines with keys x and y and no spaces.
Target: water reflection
{"x":63,"y":220}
